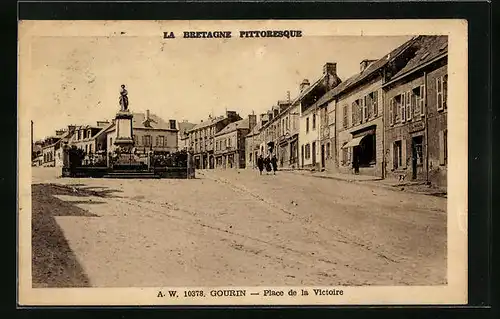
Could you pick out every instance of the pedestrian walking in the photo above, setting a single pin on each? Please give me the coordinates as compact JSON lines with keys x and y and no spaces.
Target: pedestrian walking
{"x":274,"y":164}
{"x":260,"y":164}
{"x":267,"y":162}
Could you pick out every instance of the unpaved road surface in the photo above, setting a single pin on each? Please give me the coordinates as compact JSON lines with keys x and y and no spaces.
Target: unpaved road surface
{"x":233,"y":228}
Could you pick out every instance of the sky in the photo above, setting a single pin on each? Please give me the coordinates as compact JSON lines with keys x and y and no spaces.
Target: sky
{"x":76,"y":80}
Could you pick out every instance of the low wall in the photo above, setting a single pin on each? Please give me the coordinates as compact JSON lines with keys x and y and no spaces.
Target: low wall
{"x":172,"y":172}
{"x":95,"y":172}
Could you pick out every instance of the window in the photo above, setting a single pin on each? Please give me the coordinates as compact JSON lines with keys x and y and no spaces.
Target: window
{"x":354,"y":113}
{"x":374,"y":98}
{"x":90,"y":148}
{"x":307,"y":125}
{"x":369,"y":106}
{"x":161,"y":141}
{"x":344,"y":111}
{"x":415,"y":102}
{"x":398,"y":154}
{"x":328,"y":150}
{"x":172,"y":124}
{"x":391,"y":111}
{"x":308,"y":151}
{"x":408,"y":106}
{"x":402,"y":106}
{"x":146,"y":140}
{"x":314,"y":121}
{"x":422,"y":100}
{"x":439,"y":93}
{"x":364,"y":111}
{"x":86,"y":149}
{"x":445,"y":91}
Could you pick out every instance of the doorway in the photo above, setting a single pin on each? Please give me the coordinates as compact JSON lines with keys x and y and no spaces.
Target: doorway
{"x":323,"y":156}
{"x":302,"y":156}
{"x":314,"y":154}
{"x":417,"y":160}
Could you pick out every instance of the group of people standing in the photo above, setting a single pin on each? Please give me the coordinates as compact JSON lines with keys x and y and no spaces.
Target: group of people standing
{"x":270,"y":164}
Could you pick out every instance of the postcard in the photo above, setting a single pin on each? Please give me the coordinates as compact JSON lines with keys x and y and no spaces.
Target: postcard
{"x":256,"y":162}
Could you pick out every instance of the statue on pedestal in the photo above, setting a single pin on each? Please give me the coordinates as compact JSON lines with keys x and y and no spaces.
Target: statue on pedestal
{"x":123,"y":98}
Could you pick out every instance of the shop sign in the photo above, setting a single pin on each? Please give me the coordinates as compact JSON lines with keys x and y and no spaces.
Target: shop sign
{"x":416,"y":126}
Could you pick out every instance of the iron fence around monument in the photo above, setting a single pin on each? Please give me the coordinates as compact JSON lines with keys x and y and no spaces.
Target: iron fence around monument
{"x":162,"y":164}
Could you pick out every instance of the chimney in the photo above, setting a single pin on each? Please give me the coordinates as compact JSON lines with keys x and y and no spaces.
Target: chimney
{"x":364,"y":64}
{"x":304,"y":85}
{"x":330,"y":68}
{"x":231,"y":114}
{"x":252,"y":121}
{"x":147,"y":115}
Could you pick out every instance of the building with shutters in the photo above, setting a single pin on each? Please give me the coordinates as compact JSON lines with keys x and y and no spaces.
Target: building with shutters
{"x":229,"y":149}
{"x":201,"y":138}
{"x":310,"y":115}
{"x":278,"y":133}
{"x":360,"y":116}
{"x":416,"y":138}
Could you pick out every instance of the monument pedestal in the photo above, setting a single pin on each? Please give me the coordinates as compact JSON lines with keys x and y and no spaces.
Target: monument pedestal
{"x":124,"y":138}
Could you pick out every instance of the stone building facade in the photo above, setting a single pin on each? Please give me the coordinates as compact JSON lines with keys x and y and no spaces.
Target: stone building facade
{"x":359,"y":116}
{"x":416,"y":112}
{"x":201,"y":138}
{"x":230,"y":145}
{"x":310,"y":120}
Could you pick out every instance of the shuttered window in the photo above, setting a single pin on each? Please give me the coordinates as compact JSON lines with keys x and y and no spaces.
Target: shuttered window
{"x":403,"y":108}
{"x":445,"y":91}
{"x":364,"y":107}
{"x":375,"y":103}
{"x":409,"y":110}
{"x":439,"y":93}
{"x":344,"y":110}
{"x":391,"y":112}
{"x":422,"y":101}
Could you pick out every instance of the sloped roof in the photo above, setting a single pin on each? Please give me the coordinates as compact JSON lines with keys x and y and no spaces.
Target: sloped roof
{"x":231,"y":127}
{"x":156,"y":122}
{"x":372,"y":68}
{"x":208,"y":122}
{"x":255,"y":130}
{"x":428,"y":47}
{"x":184,"y":127}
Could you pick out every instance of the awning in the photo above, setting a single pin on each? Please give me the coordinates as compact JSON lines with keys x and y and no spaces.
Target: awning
{"x":354,"y":142}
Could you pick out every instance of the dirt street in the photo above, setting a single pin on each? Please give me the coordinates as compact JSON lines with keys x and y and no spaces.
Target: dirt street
{"x":233,"y":228}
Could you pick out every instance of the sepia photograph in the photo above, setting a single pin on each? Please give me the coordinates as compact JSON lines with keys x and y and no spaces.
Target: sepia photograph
{"x":242,"y":162}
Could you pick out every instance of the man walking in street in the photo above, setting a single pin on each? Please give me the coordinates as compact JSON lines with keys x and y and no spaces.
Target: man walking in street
{"x":274,"y":164}
{"x":260,"y":164}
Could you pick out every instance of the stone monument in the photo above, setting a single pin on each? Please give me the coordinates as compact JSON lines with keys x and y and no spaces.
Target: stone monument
{"x":124,"y":140}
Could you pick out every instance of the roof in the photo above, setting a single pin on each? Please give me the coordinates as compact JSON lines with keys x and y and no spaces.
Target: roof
{"x":231,"y":127}
{"x":156,"y":122}
{"x":184,"y":127}
{"x":255,"y":130}
{"x":372,"y":68}
{"x":428,"y":47}
{"x":207,"y":123}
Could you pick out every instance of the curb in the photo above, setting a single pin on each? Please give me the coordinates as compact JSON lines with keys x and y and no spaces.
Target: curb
{"x":374,"y":183}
